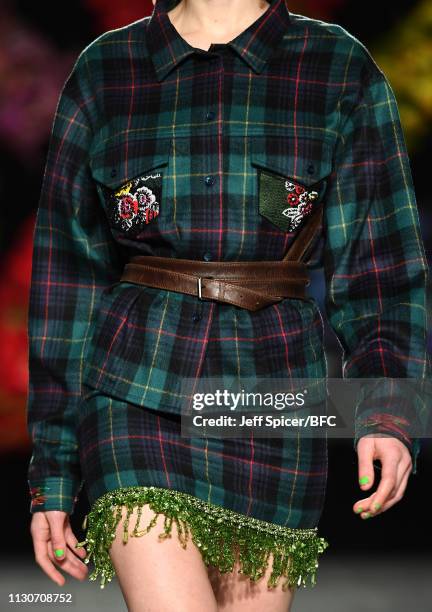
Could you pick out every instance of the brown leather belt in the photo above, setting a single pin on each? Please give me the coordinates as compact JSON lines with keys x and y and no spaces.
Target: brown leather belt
{"x":248,"y":284}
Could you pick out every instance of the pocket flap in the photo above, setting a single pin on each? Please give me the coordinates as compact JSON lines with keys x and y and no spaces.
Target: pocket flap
{"x":307,"y":160}
{"x":123,"y":160}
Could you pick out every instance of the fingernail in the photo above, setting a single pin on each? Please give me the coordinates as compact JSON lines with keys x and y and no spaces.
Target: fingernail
{"x":359,"y":509}
{"x":367,"y":515}
{"x":59,"y":552}
{"x":364,"y":480}
{"x":377,"y":506}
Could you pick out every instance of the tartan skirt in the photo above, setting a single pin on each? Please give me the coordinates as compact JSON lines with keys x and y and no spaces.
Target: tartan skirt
{"x":254,"y":497}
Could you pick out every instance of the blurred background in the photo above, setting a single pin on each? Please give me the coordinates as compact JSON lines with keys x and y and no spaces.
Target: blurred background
{"x":379,"y":565}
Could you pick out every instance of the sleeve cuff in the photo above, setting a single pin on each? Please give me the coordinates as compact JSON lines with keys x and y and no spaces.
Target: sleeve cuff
{"x":54,"y":493}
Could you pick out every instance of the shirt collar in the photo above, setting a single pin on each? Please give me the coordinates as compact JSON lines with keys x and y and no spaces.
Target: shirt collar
{"x":254,"y":45}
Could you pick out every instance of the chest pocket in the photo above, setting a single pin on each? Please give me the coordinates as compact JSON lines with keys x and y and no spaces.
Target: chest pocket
{"x":132,"y":184}
{"x":291,"y":176}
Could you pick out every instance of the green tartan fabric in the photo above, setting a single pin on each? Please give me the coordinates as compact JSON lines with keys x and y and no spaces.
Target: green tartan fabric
{"x":160,"y":148}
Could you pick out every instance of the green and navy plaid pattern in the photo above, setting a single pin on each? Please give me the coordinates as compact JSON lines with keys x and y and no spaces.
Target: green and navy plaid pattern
{"x":123,"y":444}
{"x":160,"y":148}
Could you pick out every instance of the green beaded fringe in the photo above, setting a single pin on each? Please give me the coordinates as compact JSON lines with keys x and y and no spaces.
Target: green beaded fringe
{"x":217,"y":532}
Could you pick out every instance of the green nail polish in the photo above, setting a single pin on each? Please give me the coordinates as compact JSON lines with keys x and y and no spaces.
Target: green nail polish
{"x":364,"y":480}
{"x":359,"y":509}
{"x":377,"y":506}
{"x":367,"y":515}
{"x":59,"y":552}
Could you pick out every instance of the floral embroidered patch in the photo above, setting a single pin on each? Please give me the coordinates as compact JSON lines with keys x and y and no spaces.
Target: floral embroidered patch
{"x":284,"y":201}
{"x":136,"y":203}
{"x":299,"y":202}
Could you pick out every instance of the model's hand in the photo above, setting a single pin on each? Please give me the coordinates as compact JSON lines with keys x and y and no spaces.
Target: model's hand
{"x":396,"y":466}
{"x":51,"y":531}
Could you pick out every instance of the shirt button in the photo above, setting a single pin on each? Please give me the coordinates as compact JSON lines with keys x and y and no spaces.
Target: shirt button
{"x":210,"y":115}
{"x":207,"y":256}
{"x":311,"y":169}
{"x":196,"y":317}
{"x":209,"y":180}
{"x":113,"y":172}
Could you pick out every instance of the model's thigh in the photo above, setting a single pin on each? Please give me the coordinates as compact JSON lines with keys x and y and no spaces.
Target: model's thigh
{"x":236,"y":592}
{"x":160,"y":575}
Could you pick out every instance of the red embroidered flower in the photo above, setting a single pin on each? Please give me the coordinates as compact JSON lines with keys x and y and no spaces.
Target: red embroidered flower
{"x":293,"y":199}
{"x":150,"y":213}
{"x":299,"y":189}
{"x":145,"y":197}
{"x":128,"y":207}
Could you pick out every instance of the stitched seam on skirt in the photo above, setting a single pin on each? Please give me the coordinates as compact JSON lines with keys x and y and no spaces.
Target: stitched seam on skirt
{"x":218,"y":532}
{"x":112,"y":388}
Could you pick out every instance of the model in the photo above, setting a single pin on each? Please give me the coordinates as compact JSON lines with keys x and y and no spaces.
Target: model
{"x":202,"y":160}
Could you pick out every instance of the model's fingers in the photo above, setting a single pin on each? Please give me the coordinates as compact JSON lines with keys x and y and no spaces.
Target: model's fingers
{"x":389,"y":457}
{"x":378,"y":505}
{"x":70,"y":564}
{"x":42,"y":558}
{"x":366,"y":474}
{"x":365,"y":454}
{"x":72,"y":541}
{"x":56,"y":521}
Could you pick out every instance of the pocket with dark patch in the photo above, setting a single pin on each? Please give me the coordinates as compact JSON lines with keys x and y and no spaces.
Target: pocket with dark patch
{"x":285,"y":201}
{"x":131,"y":181}
{"x":136,"y":203}
{"x":291,"y":178}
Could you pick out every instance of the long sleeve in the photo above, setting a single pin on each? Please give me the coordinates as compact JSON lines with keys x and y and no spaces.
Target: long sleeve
{"x":374,"y":261}
{"x":74,"y":259}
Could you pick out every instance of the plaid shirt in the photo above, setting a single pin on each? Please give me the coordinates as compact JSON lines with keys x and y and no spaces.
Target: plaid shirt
{"x":160,"y":148}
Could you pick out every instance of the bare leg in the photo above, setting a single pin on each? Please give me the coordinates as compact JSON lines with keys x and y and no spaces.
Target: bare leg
{"x":160,"y":575}
{"x":236,"y":592}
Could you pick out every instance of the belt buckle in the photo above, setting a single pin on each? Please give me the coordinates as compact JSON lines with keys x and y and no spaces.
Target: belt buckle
{"x":199,"y":286}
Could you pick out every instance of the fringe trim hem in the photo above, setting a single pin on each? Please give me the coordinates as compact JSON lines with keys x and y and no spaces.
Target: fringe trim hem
{"x":218,"y":532}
